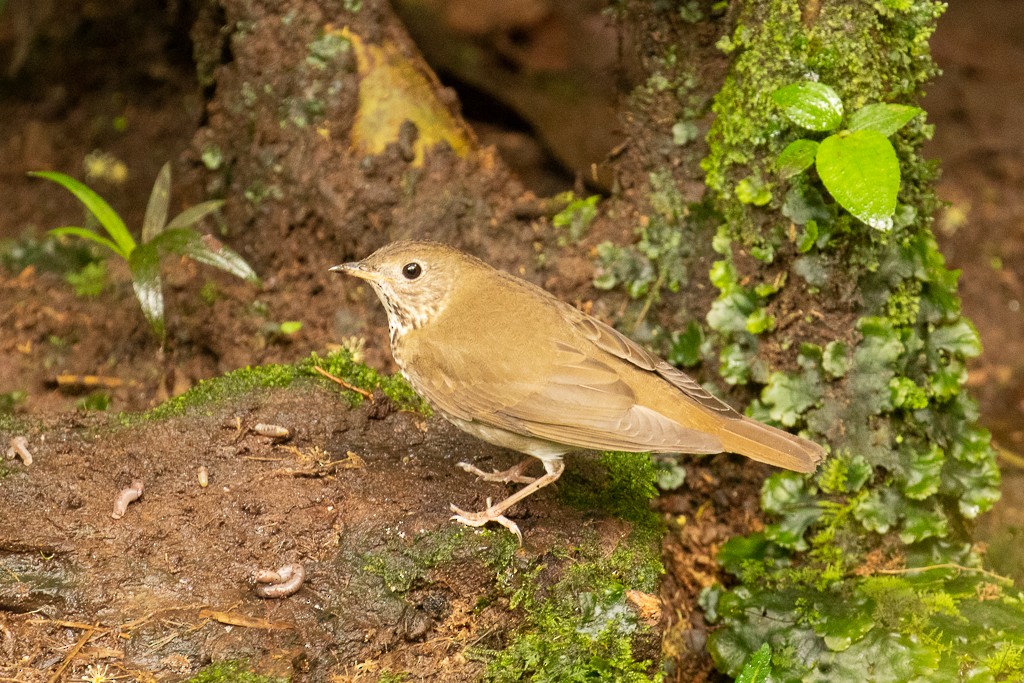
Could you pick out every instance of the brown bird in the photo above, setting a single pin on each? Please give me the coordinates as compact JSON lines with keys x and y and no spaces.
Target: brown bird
{"x":509,"y":363}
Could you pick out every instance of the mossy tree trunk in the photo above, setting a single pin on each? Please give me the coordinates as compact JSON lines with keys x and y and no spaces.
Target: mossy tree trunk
{"x":867,"y":571}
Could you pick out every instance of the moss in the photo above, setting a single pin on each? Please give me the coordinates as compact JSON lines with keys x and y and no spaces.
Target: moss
{"x":231,"y":672}
{"x":238,"y":382}
{"x":582,"y":628}
{"x":909,"y":468}
{"x":402,"y":566}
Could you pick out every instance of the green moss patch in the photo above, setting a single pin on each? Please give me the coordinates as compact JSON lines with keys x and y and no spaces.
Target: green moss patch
{"x":339,"y":364}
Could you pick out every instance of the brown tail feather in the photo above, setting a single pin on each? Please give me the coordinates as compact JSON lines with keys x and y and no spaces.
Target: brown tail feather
{"x":773,"y":446}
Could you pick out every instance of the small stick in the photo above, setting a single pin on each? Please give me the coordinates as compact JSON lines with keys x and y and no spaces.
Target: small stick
{"x":71,"y":655}
{"x":125,"y":498}
{"x":19,"y":448}
{"x":284,"y":582}
{"x":362,"y":392}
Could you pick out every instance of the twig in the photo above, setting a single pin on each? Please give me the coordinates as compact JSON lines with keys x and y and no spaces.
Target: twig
{"x":362,"y":392}
{"x":71,"y":655}
{"x":1009,"y":456}
{"x":948,"y":565}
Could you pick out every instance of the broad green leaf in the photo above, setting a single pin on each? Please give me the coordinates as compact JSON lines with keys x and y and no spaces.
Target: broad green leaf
{"x":861,"y":171}
{"x":797,"y":156}
{"x":87,"y":234}
{"x":194,"y":214}
{"x":290,"y":326}
{"x":758,"y":667}
{"x":685,"y":348}
{"x":156,"y":210}
{"x":811,"y":105}
{"x":106,"y":215}
{"x":789,"y":396}
{"x":958,"y":339}
{"x":204,"y":249}
{"x":144,"y":263}
{"x":883,"y":118}
{"x":923,"y":522}
{"x":924,"y":473}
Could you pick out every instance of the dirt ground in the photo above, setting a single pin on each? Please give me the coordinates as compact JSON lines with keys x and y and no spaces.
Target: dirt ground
{"x":197,"y":547}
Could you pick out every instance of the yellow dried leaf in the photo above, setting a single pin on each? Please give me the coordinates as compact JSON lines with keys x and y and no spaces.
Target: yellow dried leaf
{"x":392,"y":89}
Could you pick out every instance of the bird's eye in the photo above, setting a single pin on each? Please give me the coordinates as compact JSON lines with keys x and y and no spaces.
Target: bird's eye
{"x":411,"y":271}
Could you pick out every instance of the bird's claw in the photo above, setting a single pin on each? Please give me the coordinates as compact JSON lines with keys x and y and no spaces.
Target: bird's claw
{"x":482,"y":518}
{"x":510,"y":475}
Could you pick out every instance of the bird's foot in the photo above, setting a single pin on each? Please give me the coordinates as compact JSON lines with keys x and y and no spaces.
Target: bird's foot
{"x":488,"y":515}
{"x":512,"y":474}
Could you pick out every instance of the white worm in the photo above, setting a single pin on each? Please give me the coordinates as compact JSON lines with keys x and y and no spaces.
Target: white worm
{"x":273,"y":431}
{"x":19,"y":448}
{"x":281,"y":583}
{"x":125,"y":498}
{"x":204,"y":477}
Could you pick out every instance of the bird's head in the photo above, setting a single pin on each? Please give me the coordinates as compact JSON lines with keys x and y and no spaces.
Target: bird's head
{"x":414,"y":280}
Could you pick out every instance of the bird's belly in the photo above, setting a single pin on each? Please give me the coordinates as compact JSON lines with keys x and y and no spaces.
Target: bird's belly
{"x":539,"y":448}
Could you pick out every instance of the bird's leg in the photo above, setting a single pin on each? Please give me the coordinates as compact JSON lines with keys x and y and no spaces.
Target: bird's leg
{"x":512,"y":474}
{"x":496,"y":513}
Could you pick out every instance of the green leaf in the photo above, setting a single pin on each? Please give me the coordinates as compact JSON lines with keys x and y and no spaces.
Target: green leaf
{"x":924,"y":473}
{"x":144,"y":263}
{"x":760,"y":321}
{"x":805,"y":203}
{"x":685,"y":349}
{"x":789,"y":396}
{"x":107,"y":217}
{"x":923,"y":522}
{"x":883,"y":118}
{"x":811,"y":105}
{"x":159,"y":199}
{"x":204,"y":249}
{"x":879,"y":511}
{"x":192,"y":215}
{"x":861,"y":171}
{"x":958,"y":339}
{"x":87,"y":235}
{"x":808,"y":237}
{"x":290,"y":326}
{"x":758,"y":667}
{"x":796,"y":157}
{"x":835,"y":360}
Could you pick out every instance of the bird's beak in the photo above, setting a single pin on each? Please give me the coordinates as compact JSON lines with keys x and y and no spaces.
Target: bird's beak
{"x":358,"y":270}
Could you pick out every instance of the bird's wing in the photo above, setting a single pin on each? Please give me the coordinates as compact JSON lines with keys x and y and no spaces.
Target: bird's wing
{"x":561,"y":395}
{"x":614,"y":342}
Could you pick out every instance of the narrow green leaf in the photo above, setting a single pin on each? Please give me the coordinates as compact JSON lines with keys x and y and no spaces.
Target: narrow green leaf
{"x":204,"y":249}
{"x":797,"y":156}
{"x":159,"y":199}
{"x":192,"y":215}
{"x":883,"y":118}
{"x":811,"y":105}
{"x":758,"y":667}
{"x":106,"y":215}
{"x":861,"y":171}
{"x":144,"y":263}
{"x":87,"y":234}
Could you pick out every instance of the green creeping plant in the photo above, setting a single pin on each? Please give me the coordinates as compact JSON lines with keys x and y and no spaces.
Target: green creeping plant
{"x":159,"y":237}
{"x":858,"y":164}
